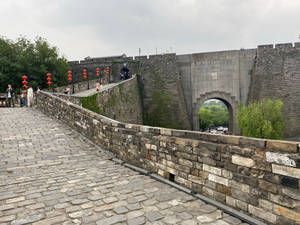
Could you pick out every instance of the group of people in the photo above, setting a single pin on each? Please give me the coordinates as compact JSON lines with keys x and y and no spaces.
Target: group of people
{"x":124,"y":73}
{"x":26,"y":97}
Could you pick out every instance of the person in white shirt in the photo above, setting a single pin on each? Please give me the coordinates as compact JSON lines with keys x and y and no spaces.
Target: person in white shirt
{"x":10,"y":96}
{"x":29,"y":96}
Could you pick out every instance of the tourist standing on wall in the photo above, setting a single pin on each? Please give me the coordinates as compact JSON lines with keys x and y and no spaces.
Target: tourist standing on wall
{"x":23,"y":97}
{"x":10,"y":96}
{"x":29,"y":96}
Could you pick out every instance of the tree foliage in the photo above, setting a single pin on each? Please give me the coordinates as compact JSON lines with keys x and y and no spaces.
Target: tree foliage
{"x":261,"y":119}
{"x":213,"y":114}
{"x":33,"y":59}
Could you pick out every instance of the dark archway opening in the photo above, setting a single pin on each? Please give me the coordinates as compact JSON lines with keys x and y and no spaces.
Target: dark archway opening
{"x":215,"y":116}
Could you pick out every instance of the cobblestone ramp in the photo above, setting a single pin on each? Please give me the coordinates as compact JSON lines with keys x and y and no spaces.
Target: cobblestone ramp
{"x":50,"y":175}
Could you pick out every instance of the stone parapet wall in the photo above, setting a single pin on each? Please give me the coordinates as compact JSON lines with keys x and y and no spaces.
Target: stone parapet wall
{"x":81,"y":86}
{"x":121,"y":101}
{"x":258,"y":176}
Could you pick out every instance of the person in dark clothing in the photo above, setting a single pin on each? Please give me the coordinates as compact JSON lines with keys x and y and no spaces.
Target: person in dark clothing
{"x":10,"y":96}
{"x":124,"y":72}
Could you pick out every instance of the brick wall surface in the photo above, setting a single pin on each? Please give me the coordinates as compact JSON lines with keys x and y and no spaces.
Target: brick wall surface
{"x":260,"y":177}
{"x":276,"y":75}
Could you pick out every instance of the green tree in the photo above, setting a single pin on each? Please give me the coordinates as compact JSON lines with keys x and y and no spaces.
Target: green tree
{"x":205,"y":118}
{"x":261,"y":119}
{"x":33,"y":59}
{"x":213,"y":114}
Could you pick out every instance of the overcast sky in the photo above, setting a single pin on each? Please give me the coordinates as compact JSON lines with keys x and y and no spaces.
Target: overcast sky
{"x":81,"y":28}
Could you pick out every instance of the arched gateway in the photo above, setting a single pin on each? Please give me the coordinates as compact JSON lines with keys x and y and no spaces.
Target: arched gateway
{"x":227,"y":99}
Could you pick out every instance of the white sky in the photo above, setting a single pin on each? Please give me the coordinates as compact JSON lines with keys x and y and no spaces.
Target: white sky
{"x":81,"y":28}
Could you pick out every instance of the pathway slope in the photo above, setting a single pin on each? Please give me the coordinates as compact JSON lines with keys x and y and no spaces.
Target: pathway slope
{"x":49,"y":174}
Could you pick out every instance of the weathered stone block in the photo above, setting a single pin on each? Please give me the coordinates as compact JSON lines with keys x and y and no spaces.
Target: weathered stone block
{"x":263,"y":214}
{"x":213,"y":170}
{"x":265,"y":185}
{"x":262,"y":203}
{"x":230,"y":201}
{"x":223,"y":189}
{"x":284,"y":146}
{"x":294,"y":194}
{"x":279,"y":158}
{"x":282,"y":200}
{"x":185,"y":162}
{"x":217,"y":179}
{"x":256,"y":142}
{"x":228,"y":139}
{"x":242,"y":161}
{"x":290,"y":214}
{"x":195,"y":179}
{"x":286,"y":171}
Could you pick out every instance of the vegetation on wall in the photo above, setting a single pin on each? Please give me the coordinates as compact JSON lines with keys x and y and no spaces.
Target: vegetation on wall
{"x":90,"y":103}
{"x":213,"y":114}
{"x":33,"y":59}
{"x":262,"y":119}
{"x":159,"y":114}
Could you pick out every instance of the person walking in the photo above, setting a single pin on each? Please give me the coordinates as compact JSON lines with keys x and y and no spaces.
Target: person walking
{"x":29,"y":96}
{"x":10,"y":96}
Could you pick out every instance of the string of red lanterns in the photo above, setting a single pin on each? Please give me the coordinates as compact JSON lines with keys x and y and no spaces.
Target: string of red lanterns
{"x":49,"y":79}
{"x":107,"y":70}
{"x":24,"y":82}
{"x":84,"y":73}
{"x":69,"y":76}
{"x":97,"y":72}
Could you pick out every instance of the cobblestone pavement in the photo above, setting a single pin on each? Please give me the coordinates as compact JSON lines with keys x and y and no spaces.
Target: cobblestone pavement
{"x":93,"y":90}
{"x":49,"y":174}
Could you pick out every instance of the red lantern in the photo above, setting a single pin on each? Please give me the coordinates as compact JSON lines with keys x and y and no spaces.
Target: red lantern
{"x":24,"y":77}
{"x":107,"y":70}
{"x":70,"y":79}
{"x":84,"y":73}
{"x":49,"y":79}
{"x":26,"y":87}
{"x":97,"y":72}
{"x":24,"y":82}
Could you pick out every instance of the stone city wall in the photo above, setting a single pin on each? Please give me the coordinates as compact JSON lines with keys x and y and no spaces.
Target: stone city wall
{"x":122,"y":101}
{"x":159,"y":83}
{"x":81,"y":86}
{"x":276,"y":75}
{"x":258,"y":176}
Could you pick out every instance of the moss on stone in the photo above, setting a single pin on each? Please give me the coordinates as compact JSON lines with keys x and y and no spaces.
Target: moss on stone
{"x":90,"y":103}
{"x":159,"y":115}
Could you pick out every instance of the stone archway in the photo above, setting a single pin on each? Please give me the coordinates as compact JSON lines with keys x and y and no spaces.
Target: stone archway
{"x":227,"y":99}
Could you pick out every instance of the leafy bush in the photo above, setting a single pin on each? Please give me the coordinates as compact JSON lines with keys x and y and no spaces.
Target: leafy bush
{"x":261,"y":119}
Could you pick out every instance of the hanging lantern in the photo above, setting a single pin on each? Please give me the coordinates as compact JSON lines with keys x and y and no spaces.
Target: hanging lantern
{"x":69,"y":76}
{"x":107,"y":70}
{"x":84,"y":73}
{"x":24,"y":82}
{"x":97,"y":72}
{"x":49,"y":79}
